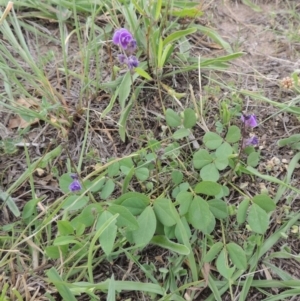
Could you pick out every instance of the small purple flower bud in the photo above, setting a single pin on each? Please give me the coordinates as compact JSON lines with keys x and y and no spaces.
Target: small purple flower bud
{"x":249,"y":120}
{"x":122,"y":58}
{"x":123,"y":38}
{"x":131,"y":47}
{"x":250,"y":141}
{"x":132,"y":62}
{"x":75,"y":186}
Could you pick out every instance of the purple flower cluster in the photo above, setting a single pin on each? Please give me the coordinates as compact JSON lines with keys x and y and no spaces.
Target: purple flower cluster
{"x":123,"y":38}
{"x":249,"y":121}
{"x":75,"y":185}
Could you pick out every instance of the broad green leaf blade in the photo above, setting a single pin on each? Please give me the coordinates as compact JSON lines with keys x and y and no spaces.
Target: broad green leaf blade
{"x":172,"y":118}
{"x":237,"y":255}
{"x":264,"y":202}
{"x":111,"y":294}
{"x":208,"y":188}
{"x":135,"y":202}
{"x":60,"y":285}
{"x":163,"y":242}
{"x":212,"y":140}
{"x":199,"y":214}
{"x":177,"y":177}
{"x":242,"y":211}
{"x":224,"y":150}
{"x":75,"y":202}
{"x":164,"y":210}
{"x":142,"y":73}
{"x":184,"y":198}
{"x":233,"y":135}
{"x":213,"y":252}
{"x":125,"y":88}
{"x":222,"y":265}
{"x":221,"y":163}
{"x":218,"y":208}
{"x":125,"y":218}
{"x":288,"y":141}
{"x":258,"y":219}
{"x":142,"y":173}
{"x":189,"y":119}
{"x":253,"y":159}
{"x":210,"y":173}
{"x":201,"y":158}
{"x":181,"y":133}
{"x":108,"y":189}
{"x":108,"y":236}
{"x":147,"y":226}
{"x":178,"y":34}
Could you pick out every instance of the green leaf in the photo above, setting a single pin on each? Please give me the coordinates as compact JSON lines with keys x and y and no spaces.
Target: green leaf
{"x":95,"y":185}
{"x":30,"y":208}
{"x":125,"y":88}
{"x":184,"y":199}
{"x":125,"y":218}
{"x":213,"y":252}
{"x":65,"y":240}
{"x":135,"y":202}
{"x":201,"y":158}
{"x":60,"y":285}
{"x":181,"y":133}
{"x":147,"y":226}
{"x":187,"y":13}
{"x":172,"y":118}
{"x":75,"y":202}
{"x":233,"y":135}
{"x":164,"y":242}
{"x":208,"y":188}
{"x":199,"y":214}
{"x":113,"y":169}
{"x":210,"y":173}
{"x":108,"y":236}
{"x":258,"y":219}
{"x":264,"y":202}
{"x":189,"y":119}
{"x":242,"y":211}
{"x":108,"y":189}
{"x":224,"y":150}
{"x":65,"y":228}
{"x":142,"y":173}
{"x":212,"y":140}
{"x":218,"y":208}
{"x":142,"y":73}
{"x":164,"y":210}
{"x":253,"y":159}
{"x":290,"y":140}
{"x":222,"y":265}
{"x":221,"y":163}
{"x":177,"y":35}
{"x":176,"y":176}
{"x":64,"y":182}
{"x":237,"y":255}
{"x":183,"y":226}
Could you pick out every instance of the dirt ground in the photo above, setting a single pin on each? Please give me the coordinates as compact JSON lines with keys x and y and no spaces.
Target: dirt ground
{"x":269,"y":39}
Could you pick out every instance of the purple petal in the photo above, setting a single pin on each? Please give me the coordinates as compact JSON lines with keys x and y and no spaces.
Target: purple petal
{"x":122,"y":37}
{"x":75,"y":186}
{"x":250,"y":141}
{"x":132,"y":62}
{"x":249,"y":120}
{"x":122,"y":58}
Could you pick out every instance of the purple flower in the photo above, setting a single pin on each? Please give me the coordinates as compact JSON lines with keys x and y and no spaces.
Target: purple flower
{"x":130,"y":61}
{"x":249,"y":120}
{"x":125,"y":39}
{"x":250,"y":141}
{"x":75,"y":185}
